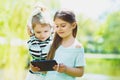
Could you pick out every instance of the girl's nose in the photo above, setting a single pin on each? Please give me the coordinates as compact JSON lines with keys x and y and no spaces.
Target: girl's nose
{"x":59,"y":28}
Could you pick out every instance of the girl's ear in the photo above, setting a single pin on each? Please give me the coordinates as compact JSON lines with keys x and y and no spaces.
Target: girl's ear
{"x":74,"y":24}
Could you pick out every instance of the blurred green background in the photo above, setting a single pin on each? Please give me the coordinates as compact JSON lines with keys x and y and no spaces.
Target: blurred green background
{"x":99,"y":36}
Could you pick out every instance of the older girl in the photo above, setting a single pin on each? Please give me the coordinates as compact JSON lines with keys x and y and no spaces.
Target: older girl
{"x":66,"y":49}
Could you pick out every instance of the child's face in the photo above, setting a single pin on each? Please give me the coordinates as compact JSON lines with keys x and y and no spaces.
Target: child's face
{"x":42,"y":32}
{"x":63,"y":28}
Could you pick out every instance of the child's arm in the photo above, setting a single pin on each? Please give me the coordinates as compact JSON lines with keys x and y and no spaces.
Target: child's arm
{"x":34,"y":69}
{"x":77,"y":72}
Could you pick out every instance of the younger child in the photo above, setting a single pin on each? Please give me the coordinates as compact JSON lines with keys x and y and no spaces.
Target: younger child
{"x":40,"y":37}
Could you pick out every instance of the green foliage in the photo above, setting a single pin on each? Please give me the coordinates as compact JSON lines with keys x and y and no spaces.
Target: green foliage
{"x":87,"y":29}
{"x":103,"y":66}
{"x":100,"y":38}
{"x":13,"y":61}
{"x":14,"y":15}
{"x":13,"y":18}
{"x":110,"y":33}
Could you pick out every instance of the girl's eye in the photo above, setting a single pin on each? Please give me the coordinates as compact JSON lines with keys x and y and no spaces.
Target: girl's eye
{"x":46,"y":31}
{"x":63,"y":26}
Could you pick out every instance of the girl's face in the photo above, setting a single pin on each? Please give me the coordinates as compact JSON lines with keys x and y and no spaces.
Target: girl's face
{"x":42,"y":32}
{"x":64,"y":29}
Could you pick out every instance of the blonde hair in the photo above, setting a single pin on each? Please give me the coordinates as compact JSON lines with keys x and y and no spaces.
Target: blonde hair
{"x":43,"y":15}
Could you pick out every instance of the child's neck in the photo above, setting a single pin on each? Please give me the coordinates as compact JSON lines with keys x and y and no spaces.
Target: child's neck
{"x":67,"y":42}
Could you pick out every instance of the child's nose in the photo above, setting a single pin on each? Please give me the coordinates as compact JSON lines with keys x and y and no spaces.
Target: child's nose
{"x":42,"y":34}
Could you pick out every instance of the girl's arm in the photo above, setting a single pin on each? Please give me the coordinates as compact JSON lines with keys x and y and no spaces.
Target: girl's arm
{"x":77,"y":72}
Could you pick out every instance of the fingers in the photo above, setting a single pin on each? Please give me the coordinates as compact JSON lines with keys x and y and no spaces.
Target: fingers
{"x":34,"y":69}
{"x":57,"y":69}
{"x":60,"y":67}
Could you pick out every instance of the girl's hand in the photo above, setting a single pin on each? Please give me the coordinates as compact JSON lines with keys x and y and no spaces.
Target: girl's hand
{"x":60,"y":68}
{"x":34,"y":69}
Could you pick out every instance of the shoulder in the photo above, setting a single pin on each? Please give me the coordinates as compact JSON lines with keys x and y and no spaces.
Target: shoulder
{"x":32,"y":38}
{"x":77,"y":44}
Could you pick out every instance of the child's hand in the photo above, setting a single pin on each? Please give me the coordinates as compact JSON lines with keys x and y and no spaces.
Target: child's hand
{"x":29,"y":31}
{"x":34,"y":69}
{"x":60,"y":68}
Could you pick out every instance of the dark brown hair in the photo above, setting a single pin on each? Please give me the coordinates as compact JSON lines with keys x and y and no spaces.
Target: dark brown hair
{"x":69,"y":17}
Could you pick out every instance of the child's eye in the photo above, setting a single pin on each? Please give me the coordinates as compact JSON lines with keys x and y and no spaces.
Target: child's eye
{"x":56,"y":26}
{"x":38,"y":32}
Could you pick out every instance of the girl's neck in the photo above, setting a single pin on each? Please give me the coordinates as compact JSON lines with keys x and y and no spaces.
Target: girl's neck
{"x":67,"y":42}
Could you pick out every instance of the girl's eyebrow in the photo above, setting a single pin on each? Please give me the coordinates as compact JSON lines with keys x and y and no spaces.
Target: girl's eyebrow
{"x":60,"y":24}
{"x":63,"y":23}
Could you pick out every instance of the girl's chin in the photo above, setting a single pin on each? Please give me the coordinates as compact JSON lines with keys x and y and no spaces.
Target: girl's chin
{"x":61,"y":36}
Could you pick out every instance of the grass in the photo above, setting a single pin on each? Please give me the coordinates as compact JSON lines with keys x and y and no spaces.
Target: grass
{"x":104,"y":66}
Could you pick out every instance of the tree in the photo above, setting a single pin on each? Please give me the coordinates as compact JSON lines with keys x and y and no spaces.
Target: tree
{"x":111,"y":34}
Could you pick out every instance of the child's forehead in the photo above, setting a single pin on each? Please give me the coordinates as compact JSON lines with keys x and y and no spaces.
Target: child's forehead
{"x":43,"y":24}
{"x":59,"y":21}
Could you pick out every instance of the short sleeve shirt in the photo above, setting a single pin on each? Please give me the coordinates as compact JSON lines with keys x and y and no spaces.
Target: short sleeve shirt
{"x":70,"y":56}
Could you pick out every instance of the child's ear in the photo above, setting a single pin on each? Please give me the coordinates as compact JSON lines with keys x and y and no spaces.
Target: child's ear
{"x":74,"y":24}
